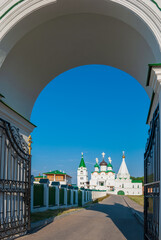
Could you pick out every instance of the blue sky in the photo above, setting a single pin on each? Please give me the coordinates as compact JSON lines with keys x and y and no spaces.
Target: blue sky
{"x":90,"y":109}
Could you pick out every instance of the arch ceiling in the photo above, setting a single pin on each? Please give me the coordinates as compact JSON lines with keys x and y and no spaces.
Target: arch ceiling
{"x":41,"y":42}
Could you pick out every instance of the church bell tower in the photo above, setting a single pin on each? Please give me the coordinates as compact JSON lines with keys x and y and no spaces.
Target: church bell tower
{"x":82,"y":174}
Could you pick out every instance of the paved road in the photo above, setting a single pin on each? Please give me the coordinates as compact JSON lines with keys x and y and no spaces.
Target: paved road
{"x":111,"y":219}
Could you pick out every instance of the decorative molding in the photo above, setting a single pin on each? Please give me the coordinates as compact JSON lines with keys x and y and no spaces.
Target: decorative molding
{"x":154,"y":81}
{"x":146,"y":11}
{"x":156,"y":4}
{"x":14,"y":5}
{"x":8,"y":114}
{"x":20,"y":1}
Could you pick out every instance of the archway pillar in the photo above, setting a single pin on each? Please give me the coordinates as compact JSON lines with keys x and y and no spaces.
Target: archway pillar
{"x":160,"y":163}
{"x":15,"y":119}
{"x":154,"y":81}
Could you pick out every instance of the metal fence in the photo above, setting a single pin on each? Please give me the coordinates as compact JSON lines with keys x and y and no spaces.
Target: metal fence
{"x":69,"y":197}
{"x":61,"y":196}
{"x":52,"y":196}
{"x":152,"y":180}
{"x":15,"y":167}
{"x":38,"y":195}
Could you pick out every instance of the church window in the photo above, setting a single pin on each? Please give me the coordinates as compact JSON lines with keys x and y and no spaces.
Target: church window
{"x":81,"y":178}
{"x":122,"y":185}
{"x":133,"y":186}
{"x":138,"y":186}
{"x":101,"y":183}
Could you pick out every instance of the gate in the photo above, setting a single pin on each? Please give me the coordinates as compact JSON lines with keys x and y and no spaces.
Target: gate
{"x":15,"y":172}
{"x":152,"y":180}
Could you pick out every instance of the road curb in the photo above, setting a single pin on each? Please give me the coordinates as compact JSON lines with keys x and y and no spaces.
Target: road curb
{"x":135,"y":213}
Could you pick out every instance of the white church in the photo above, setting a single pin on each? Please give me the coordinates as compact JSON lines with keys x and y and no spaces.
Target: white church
{"x":103,"y":178}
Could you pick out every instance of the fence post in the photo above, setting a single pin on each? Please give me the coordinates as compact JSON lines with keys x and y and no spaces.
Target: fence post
{"x":82,"y":196}
{"x":71,"y":196}
{"x":65,"y":194}
{"x":76,"y":197}
{"x":46,"y":192}
{"x":56,"y":185}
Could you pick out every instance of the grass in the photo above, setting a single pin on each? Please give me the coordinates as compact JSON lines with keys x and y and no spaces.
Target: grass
{"x":137,"y":199}
{"x":53,"y":213}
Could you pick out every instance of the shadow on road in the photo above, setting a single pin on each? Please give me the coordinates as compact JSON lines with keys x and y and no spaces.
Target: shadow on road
{"x":123,"y":219}
{"x":92,"y":223}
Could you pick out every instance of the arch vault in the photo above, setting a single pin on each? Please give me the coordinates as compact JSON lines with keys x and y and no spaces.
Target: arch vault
{"x":41,"y":39}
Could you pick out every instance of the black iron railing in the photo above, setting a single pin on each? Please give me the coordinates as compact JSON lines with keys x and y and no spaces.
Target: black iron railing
{"x":15,"y":174}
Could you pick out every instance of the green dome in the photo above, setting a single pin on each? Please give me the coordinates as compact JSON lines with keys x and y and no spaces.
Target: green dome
{"x":109,"y":165}
{"x":82,"y":163}
{"x":96,"y":165}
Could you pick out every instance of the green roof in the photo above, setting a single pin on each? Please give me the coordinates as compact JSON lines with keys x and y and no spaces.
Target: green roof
{"x":109,"y":165}
{"x":105,"y":171}
{"x":136,"y":181}
{"x":40,"y":177}
{"x":82,"y":163}
{"x":96,"y":165}
{"x":110,"y":171}
{"x":55,"y":172}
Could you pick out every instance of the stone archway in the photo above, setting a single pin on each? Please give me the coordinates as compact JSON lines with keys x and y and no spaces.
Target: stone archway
{"x":41,"y":39}
{"x":48,"y":38}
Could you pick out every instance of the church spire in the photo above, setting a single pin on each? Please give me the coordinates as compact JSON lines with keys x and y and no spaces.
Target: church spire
{"x":123,"y":171}
{"x":96,"y":165}
{"x":82,"y":163}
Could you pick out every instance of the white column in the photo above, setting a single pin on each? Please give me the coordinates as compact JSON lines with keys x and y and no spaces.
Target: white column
{"x":46,"y":195}
{"x":56,"y":195}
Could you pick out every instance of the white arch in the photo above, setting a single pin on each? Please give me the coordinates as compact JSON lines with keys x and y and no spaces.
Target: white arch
{"x":141,"y":19}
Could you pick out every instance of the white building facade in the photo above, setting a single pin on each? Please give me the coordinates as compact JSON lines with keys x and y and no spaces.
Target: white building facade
{"x":104,"y":178}
{"x":82,"y":174}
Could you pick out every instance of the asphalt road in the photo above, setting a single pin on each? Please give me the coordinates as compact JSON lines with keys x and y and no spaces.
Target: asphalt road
{"x":111,"y":219}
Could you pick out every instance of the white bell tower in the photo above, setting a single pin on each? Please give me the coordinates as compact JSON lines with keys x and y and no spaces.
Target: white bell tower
{"x":82,"y":174}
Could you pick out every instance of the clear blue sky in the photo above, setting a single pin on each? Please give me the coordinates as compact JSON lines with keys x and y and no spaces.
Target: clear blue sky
{"x":90,"y":109}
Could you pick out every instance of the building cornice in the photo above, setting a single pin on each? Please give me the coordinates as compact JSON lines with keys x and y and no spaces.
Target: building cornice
{"x":154,"y":81}
{"x":16,"y":119}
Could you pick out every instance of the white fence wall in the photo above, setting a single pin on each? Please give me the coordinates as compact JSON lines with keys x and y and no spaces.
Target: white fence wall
{"x":74,"y":200}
